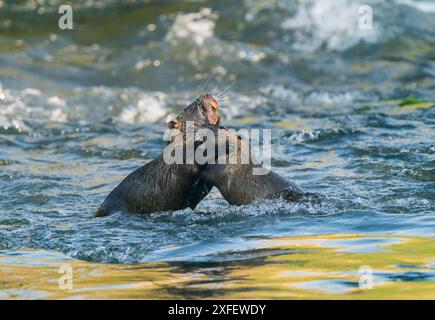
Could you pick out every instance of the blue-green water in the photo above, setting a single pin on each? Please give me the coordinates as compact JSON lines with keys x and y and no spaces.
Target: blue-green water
{"x":82,"y":108}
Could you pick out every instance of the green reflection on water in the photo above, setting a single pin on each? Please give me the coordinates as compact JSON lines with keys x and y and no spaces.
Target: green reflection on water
{"x":307,"y":267}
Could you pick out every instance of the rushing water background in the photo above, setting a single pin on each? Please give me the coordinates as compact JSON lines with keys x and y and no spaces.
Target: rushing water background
{"x":82,"y":108}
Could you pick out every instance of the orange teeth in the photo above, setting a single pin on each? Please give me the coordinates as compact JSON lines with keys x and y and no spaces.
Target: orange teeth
{"x":214,"y":103}
{"x":210,"y":99}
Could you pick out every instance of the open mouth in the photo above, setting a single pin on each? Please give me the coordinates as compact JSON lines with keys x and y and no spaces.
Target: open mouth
{"x":211,"y":106}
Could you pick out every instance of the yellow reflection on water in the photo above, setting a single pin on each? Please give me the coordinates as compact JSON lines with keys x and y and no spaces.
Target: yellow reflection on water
{"x":308,"y":267}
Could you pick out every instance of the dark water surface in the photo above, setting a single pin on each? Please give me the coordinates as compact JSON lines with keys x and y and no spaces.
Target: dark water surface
{"x":352,"y":113}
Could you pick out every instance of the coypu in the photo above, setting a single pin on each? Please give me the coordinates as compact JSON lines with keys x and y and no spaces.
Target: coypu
{"x":158,"y":186}
{"x":236,"y":180}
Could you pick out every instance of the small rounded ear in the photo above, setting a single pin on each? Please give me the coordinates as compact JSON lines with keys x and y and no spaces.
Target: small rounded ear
{"x":172,"y":124}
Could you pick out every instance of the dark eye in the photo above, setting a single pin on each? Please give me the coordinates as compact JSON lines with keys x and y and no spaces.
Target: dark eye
{"x":205,"y":96}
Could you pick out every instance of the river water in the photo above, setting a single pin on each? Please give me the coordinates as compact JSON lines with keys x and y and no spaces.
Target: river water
{"x":352,"y":117}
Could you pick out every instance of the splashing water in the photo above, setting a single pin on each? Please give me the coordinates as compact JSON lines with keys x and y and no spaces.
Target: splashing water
{"x":352,"y":117}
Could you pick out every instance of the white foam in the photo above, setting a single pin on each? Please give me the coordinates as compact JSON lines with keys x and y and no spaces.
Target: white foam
{"x":196,"y":27}
{"x":240,"y":104}
{"x":58,"y":115}
{"x":424,"y":6}
{"x":283,"y":94}
{"x":291,"y":97}
{"x":148,"y":109}
{"x":328,"y":98}
{"x":129,"y":105}
{"x":192,"y":35}
{"x":333,"y":23}
{"x":17,"y":106}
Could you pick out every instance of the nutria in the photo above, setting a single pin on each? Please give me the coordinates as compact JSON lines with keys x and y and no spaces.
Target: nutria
{"x":238,"y":180}
{"x":158,"y":186}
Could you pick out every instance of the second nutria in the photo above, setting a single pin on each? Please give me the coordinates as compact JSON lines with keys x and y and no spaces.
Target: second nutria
{"x":238,"y":182}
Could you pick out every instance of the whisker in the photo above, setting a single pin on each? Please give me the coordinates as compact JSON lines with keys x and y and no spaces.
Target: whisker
{"x":226,"y":94}
{"x":231,"y":86}
{"x":198,"y":88}
{"x":213,"y":92}
{"x":229,"y":95}
{"x":216,"y":94}
{"x":228,"y":89}
{"x":224,"y":99}
{"x":204,"y":87}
